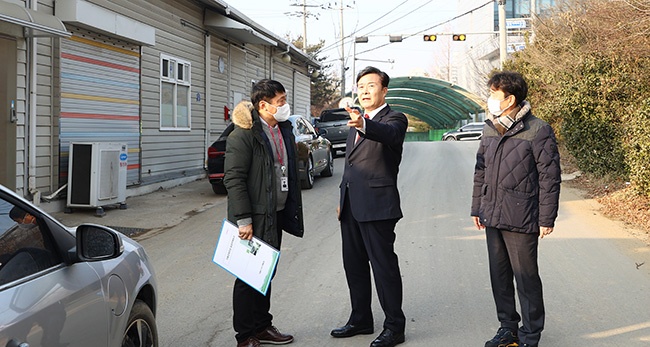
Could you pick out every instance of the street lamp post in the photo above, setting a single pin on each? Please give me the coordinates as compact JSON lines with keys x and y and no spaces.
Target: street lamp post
{"x":354,"y":68}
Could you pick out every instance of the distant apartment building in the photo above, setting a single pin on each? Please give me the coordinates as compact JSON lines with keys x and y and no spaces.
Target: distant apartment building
{"x":480,"y":54}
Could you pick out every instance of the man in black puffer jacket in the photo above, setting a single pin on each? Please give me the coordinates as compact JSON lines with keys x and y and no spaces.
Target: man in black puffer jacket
{"x":515,"y":198}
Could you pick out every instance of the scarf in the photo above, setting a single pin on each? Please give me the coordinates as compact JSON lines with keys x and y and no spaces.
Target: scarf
{"x":504,"y":122}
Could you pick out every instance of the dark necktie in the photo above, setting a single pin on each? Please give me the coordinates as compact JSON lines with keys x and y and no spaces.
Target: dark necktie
{"x":358,"y":136}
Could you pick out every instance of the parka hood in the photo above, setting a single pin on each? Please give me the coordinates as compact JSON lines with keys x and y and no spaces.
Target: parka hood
{"x":242,"y":115}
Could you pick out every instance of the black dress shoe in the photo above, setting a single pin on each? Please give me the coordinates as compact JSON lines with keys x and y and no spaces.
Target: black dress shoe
{"x":350,"y":330}
{"x":388,"y":338}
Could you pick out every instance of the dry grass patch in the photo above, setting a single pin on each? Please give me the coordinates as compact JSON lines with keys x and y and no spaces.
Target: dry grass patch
{"x":618,"y":201}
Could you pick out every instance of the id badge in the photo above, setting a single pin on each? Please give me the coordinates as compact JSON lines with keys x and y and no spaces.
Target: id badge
{"x":284,"y":184}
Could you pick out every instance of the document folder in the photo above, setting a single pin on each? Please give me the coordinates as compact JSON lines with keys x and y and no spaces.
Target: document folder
{"x":252,"y":261}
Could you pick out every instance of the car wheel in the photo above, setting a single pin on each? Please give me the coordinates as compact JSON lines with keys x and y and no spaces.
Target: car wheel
{"x":450,"y":138}
{"x":219,"y":188}
{"x":141,"y":329}
{"x":308,"y":182}
{"x":329,"y":169}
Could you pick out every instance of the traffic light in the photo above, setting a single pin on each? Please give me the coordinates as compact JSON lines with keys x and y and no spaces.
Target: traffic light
{"x":430,"y":37}
{"x":459,"y":37}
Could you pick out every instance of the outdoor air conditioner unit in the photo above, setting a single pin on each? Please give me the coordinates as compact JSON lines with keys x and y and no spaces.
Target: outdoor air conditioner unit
{"x":97,"y":175}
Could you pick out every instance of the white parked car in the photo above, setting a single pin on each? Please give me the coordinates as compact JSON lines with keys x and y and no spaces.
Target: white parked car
{"x":469,"y":131}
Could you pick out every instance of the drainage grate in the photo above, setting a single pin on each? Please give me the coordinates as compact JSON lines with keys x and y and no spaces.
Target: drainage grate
{"x":128,"y":231}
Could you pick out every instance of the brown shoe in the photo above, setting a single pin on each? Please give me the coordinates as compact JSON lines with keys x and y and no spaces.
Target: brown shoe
{"x":250,"y":342}
{"x":273,"y":336}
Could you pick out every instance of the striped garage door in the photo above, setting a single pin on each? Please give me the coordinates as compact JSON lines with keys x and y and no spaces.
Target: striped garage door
{"x":100,"y":96}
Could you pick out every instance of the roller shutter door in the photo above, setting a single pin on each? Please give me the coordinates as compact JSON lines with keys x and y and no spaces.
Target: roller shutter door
{"x":100,"y":96}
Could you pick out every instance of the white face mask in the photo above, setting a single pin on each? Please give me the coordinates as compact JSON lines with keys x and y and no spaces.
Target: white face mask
{"x":494,"y":106}
{"x":282,"y":113}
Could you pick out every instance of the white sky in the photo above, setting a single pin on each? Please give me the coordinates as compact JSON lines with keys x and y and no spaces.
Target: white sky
{"x":364,"y":17}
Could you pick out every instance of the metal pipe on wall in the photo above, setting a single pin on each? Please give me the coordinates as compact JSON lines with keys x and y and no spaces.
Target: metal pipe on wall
{"x":207,"y":98}
{"x":31,"y":119}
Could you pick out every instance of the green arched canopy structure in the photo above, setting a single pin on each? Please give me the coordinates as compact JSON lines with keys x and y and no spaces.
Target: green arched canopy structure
{"x":436,"y":102}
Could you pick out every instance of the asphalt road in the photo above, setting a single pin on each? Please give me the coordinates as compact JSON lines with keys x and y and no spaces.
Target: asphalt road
{"x":596,"y":292}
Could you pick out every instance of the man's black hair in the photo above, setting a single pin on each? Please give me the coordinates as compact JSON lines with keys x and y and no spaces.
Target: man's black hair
{"x":17,"y":213}
{"x":266,"y":90}
{"x":510,"y":83}
{"x":371,"y":69}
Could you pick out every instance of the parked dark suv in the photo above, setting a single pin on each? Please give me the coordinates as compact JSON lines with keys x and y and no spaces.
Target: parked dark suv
{"x":332,"y":124}
{"x":469,"y":131}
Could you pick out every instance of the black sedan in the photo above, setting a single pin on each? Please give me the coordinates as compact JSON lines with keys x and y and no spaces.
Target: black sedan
{"x":314,"y":155}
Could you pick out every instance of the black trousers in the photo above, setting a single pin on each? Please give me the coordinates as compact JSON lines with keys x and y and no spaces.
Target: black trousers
{"x":371,"y":244}
{"x":251,"y":309}
{"x":514,"y":255}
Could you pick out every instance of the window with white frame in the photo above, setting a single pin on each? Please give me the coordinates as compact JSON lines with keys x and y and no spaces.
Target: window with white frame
{"x":174,"y":93}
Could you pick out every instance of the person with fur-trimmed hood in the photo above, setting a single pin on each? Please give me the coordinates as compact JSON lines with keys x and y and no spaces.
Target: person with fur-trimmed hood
{"x":261,"y":176}
{"x":515,"y":199}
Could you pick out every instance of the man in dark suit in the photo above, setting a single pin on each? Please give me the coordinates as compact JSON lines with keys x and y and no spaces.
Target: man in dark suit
{"x":369,"y":210}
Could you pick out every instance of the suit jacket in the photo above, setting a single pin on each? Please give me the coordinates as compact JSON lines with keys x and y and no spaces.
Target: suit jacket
{"x":371,"y":167}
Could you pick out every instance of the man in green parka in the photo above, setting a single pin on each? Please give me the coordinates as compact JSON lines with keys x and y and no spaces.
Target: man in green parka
{"x":261,"y":176}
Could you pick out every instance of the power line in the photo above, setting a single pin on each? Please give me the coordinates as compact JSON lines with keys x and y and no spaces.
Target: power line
{"x":410,"y":35}
{"x":396,"y":19}
{"x":427,"y":29}
{"x":334,"y":45}
{"x":386,"y":14}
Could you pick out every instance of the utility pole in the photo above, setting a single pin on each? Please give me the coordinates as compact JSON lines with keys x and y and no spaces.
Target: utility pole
{"x":342,"y":56}
{"x":304,"y":25}
{"x":503,"y":40}
{"x":304,"y":14}
{"x":533,"y":17}
{"x":341,"y":8}
{"x":354,"y":68}
{"x":448,"y":44}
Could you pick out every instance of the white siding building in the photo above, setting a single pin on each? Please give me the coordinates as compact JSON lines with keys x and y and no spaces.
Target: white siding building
{"x":159,"y":76}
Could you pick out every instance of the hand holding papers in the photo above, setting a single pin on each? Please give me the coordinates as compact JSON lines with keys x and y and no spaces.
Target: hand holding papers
{"x":252,"y":261}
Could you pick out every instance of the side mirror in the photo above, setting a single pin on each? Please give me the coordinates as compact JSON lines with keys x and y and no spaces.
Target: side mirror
{"x":97,"y":242}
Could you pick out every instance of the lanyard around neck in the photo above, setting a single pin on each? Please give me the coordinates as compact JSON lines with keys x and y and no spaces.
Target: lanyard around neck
{"x":275,"y":144}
